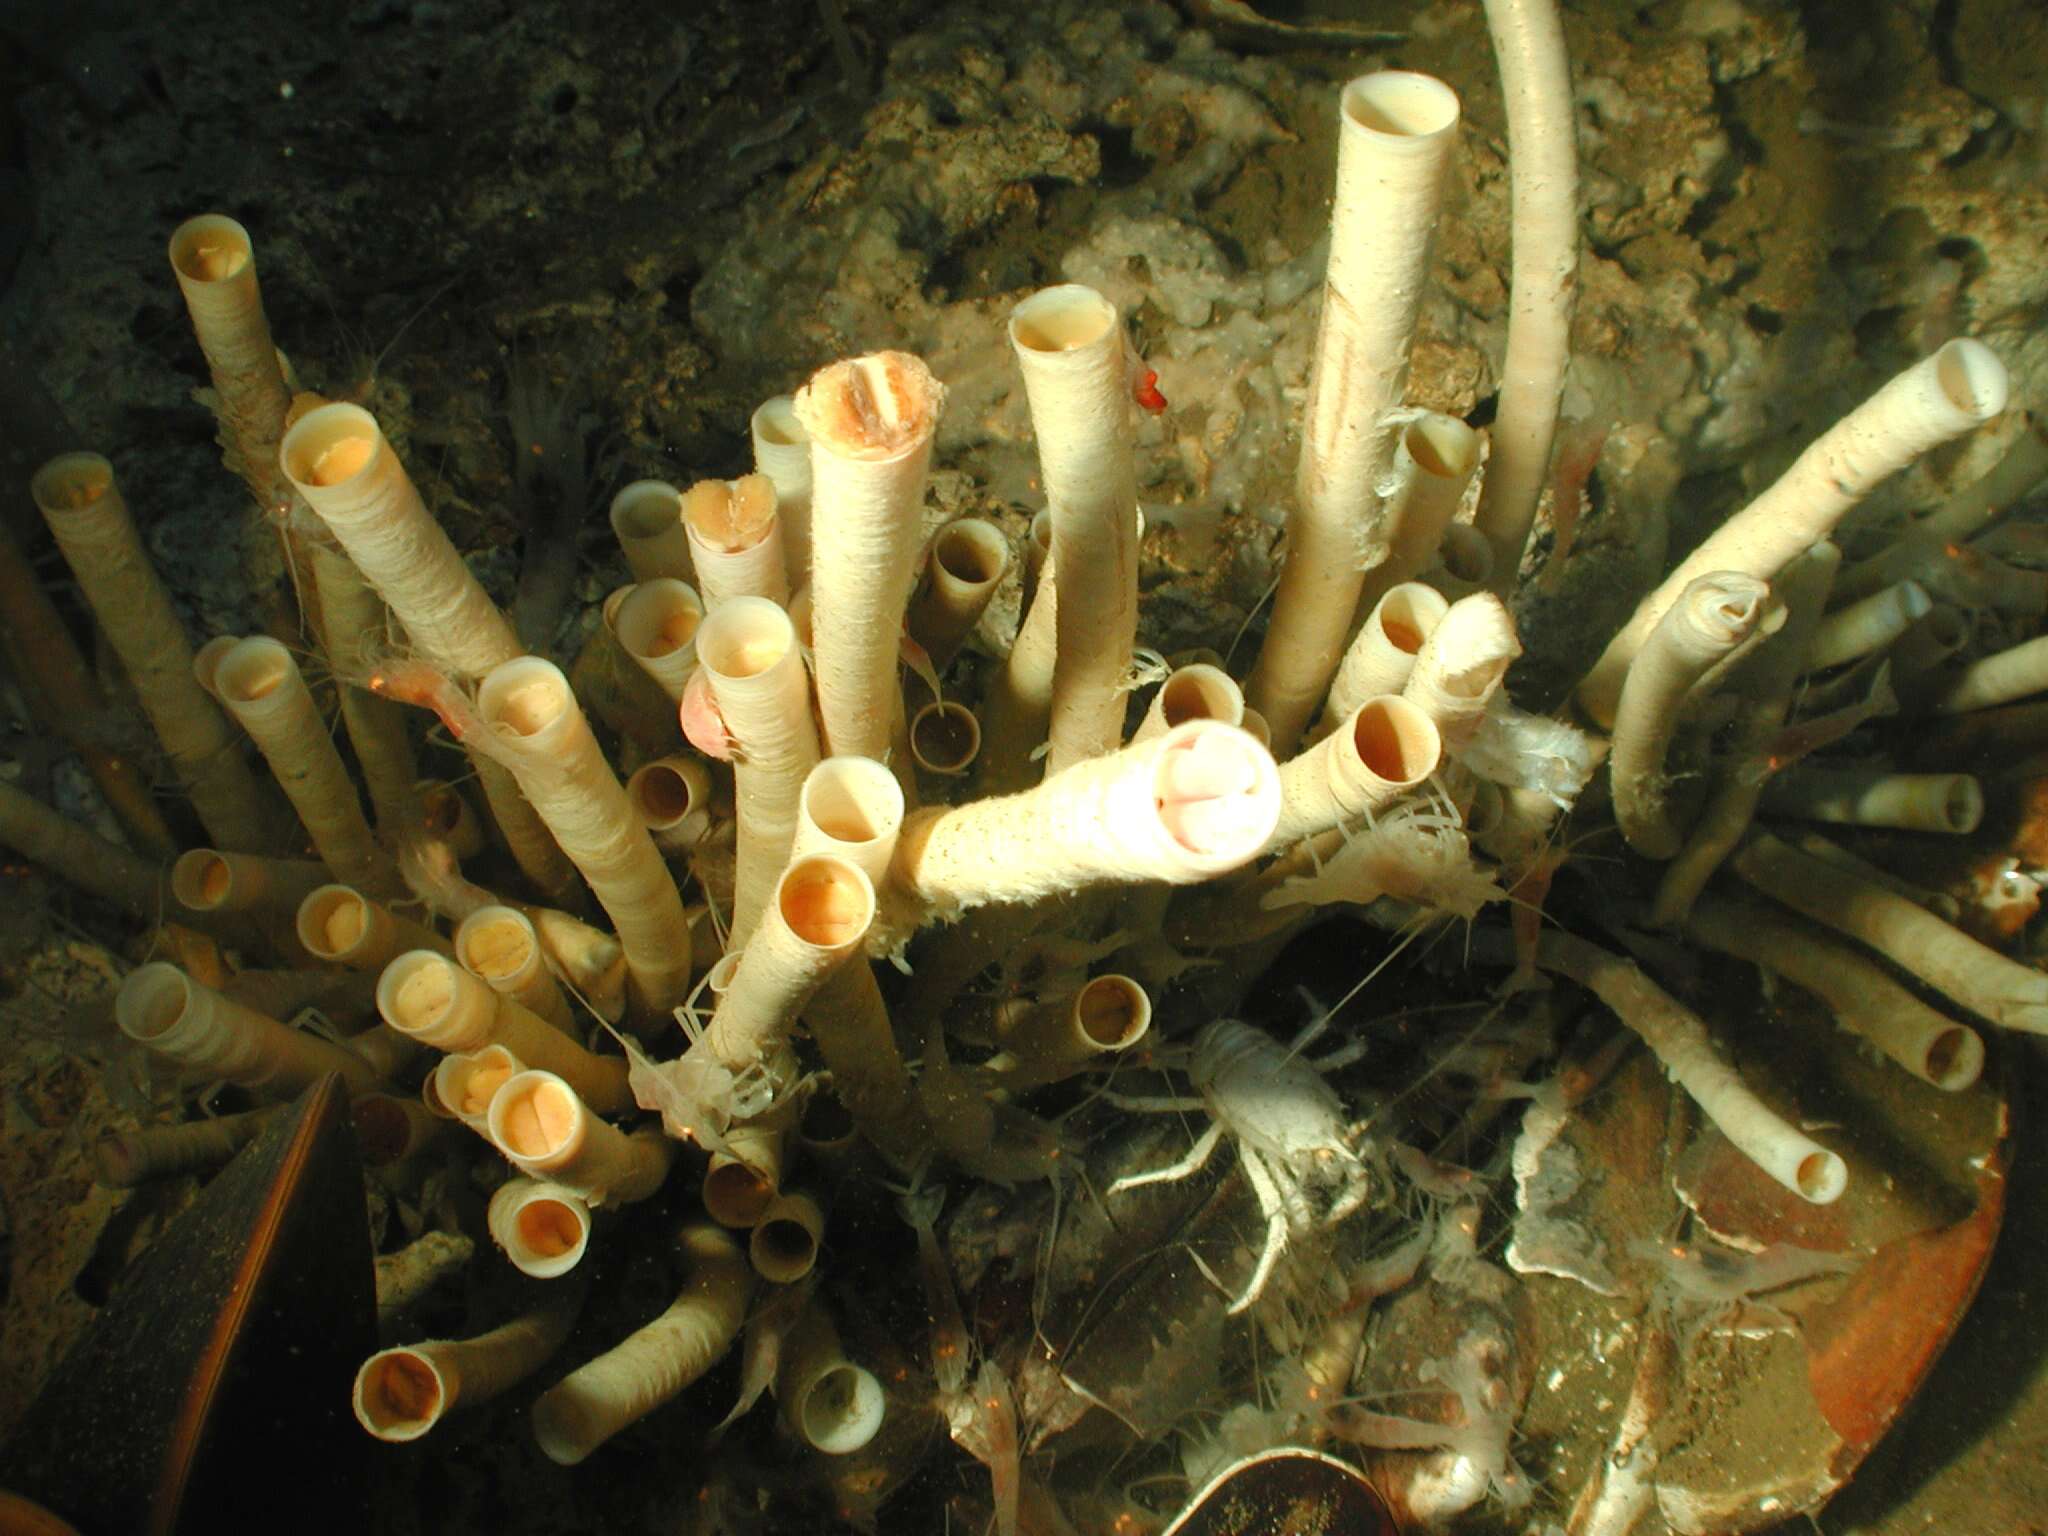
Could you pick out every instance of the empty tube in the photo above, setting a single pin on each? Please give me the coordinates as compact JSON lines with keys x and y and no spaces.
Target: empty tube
{"x":966,"y":563}
{"x":647,"y":520}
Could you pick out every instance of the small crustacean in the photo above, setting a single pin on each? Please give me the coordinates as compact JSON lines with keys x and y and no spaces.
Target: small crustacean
{"x":1288,"y":1125}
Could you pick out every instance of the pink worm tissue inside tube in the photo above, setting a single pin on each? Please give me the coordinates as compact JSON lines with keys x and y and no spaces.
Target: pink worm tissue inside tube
{"x":1210,"y":794}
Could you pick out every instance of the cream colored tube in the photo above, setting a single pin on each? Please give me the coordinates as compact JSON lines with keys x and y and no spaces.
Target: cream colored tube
{"x":538,"y":728}
{"x":739,"y":1184}
{"x":1863,"y":999}
{"x":850,"y":808}
{"x":784,"y":1245}
{"x":1434,"y":458}
{"x":735,"y":539}
{"x":1690,"y":1059}
{"x":849,"y":1022}
{"x":208,"y":880}
{"x":756,"y":671}
{"x":1109,"y":1013}
{"x":543,"y":1229}
{"x":465,"y":1082}
{"x":1199,"y":801}
{"x":1019,"y":706}
{"x":1396,"y":133}
{"x":215,"y":264}
{"x":1383,"y":655}
{"x":1536,"y":84}
{"x":341,"y":926}
{"x":1464,"y":562}
{"x":538,"y":1122}
{"x":431,"y":998}
{"x":500,"y":946}
{"x":870,"y":421}
{"x":447,"y":814}
{"x":1461,"y":666}
{"x":353,"y":622}
{"x":1194,"y":692}
{"x":78,"y":498}
{"x":618,"y":1388}
{"x":1713,"y":618}
{"x":1388,"y":747}
{"x":1939,"y":398}
{"x":402,"y":1393}
{"x":207,"y":659}
{"x":1069,"y":342}
{"x":672,"y":796}
{"x":1912,"y":938}
{"x":126,"y":1159}
{"x":835,"y":1406}
{"x":647,"y":520}
{"x":1876,"y":797}
{"x":260,"y":684}
{"x":945,"y":738}
{"x":1869,"y":626}
{"x":2000,"y":679}
{"x":822,"y":909}
{"x":656,"y":624}
{"x":71,"y":852}
{"x":966,"y":563}
{"x":160,"y":1007}
{"x":782,"y":452}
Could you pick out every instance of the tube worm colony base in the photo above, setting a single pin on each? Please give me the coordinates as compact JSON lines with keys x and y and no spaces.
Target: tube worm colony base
{"x":1060,"y":1432}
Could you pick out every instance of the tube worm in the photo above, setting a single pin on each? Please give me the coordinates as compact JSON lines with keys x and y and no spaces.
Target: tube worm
{"x":1197,"y":691}
{"x":1937,"y":399}
{"x":1385,"y":749}
{"x":817,"y":921}
{"x":1434,"y":458}
{"x":619,"y":1388}
{"x":548,"y":1132}
{"x":1863,"y":999}
{"x":1940,"y":903}
{"x":206,"y":662}
{"x":1464,"y":562}
{"x":465,"y":1082}
{"x":539,"y":731}
{"x":1912,"y":938}
{"x":735,"y":539}
{"x":870,"y":421}
{"x":2000,"y":679}
{"x":390,"y":1129}
{"x":1536,"y":86}
{"x":1866,"y":627}
{"x":341,"y":926}
{"x":1461,"y":667}
{"x":542,"y":1228}
{"x":163,"y":1009}
{"x":740,"y":1182}
{"x":1194,"y":803}
{"x":756,"y":670}
{"x":402,"y":1393}
{"x":79,"y":499}
{"x":67,"y":700}
{"x":446,"y":814}
{"x":1382,"y":655}
{"x":1108,"y":1014}
{"x":647,"y":520}
{"x":852,"y":809}
{"x":966,"y":563}
{"x":352,"y":618}
{"x":500,"y":946}
{"x":784,"y":1245}
{"x":1069,"y":342}
{"x":429,"y":997}
{"x":1396,"y":133}
{"x":1877,"y":797}
{"x":109,"y":871}
{"x":656,"y":625}
{"x":945,"y":738}
{"x":1018,"y":708}
{"x":834,"y":1405}
{"x":1689,"y":1057}
{"x":782,"y":452}
{"x":207,"y":880}
{"x":672,"y":798}
{"x":1714,"y":618}
{"x":215,"y":264}
{"x":128,"y":1158}
{"x":849,"y":1023}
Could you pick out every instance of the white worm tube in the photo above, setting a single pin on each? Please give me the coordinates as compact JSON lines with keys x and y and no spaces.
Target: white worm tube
{"x":1109,"y":1013}
{"x":538,"y":1122}
{"x":1536,"y":84}
{"x":431,"y":998}
{"x":215,"y":264}
{"x":206,"y":663}
{"x":945,"y":738}
{"x":1863,"y":999}
{"x":1912,"y":938}
{"x":834,"y":1405}
{"x":1462,"y":665}
{"x":402,"y":1393}
{"x":1383,"y":655}
{"x":465,"y":1082}
{"x":352,"y":621}
{"x":537,"y":727}
{"x":1866,"y":627}
{"x":1687,"y":1053}
{"x":2011,"y":674}
{"x":126,"y":1159}
{"x":1069,"y":343}
{"x":738,"y":1185}
{"x":782,"y":452}
{"x":1197,"y":691}
{"x":966,"y":563}
{"x":79,"y":499}
{"x":1939,"y":398}
{"x":870,"y":421}
{"x":1396,"y":134}
{"x":1940,"y":903}
{"x":850,"y":1024}
{"x":1433,"y":463}
{"x":850,"y":808}
{"x":260,"y":684}
{"x":1877,"y":797}
{"x":500,"y":947}
{"x":1019,"y":704}
{"x":162,"y":1008}
{"x":208,"y":880}
{"x":1385,"y":749}
{"x":1464,"y":562}
{"x":784,"y":1245}
{"x":817,"y":921}
{"x":1194,"y":803}
{"x":1713,"y":618}
{"x":750,"y":655}
{"x":339,"y":925}
{"x":543,"y":1229}
{"x":656,"y":624}
{"x":647,"y":520}
{"x":672,"y":798}
{"x":735,"y":539}
{"x":625,"y":1384}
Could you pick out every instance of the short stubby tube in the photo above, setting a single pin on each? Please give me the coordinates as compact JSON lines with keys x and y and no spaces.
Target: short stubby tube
{"x":465,"y":1082}
{"x":945,"y":738}
{"x":672,"y":798}
{"x":1388,"y":747}
{"x":647,"y":520}
{"x":834,"y":1405}
{"x":209,"y":880}
{"x":538,"y":1122}
{"x":735,"y":539}
{"x":402,"y":1393}
{"x":163,"y":1009}
{"x":967,"y":562}
{"x":784,"y":1245}
{"x":543,"y":1228}
{"x":656,"y":625}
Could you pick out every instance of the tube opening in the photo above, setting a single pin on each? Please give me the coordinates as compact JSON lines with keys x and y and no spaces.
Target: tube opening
{"x":398,"y":1395}
{"x":1216,"y":791}
{"x":775,"y":423}
{"x":549,"y":1229}
{"x":826,"y":901}
{"x":658,"y":618}
{"x":646,"y":509}
{"x":496,"y":943}
{"x":1401,"y":104}
{"x":735,"y":1194}
{"x":972,"y":552}
{"x":730,"y":516}
{"x":332,"y":921}
{"x":152,"y":1001}
{"x":1962,"y":806}
{"x":746,"y":637}
{"x":842,"y":1409}
{"x":416,"y":990}
{"x":1821,"y":1177}
{"x":440,"y":807}
{"x":853,"y":799}
{"x":945,"y":737}
{"x":1409,"y":613}
{"x":825,"y":1122}
{"x":331,"y":445}
{"x":783,"y":1249}
{"x":1954,"y":1059}
{"x":1947,"y":627}
{"x":252,"y":669}
{"x":1395,"y":740}
{"x":1971,"y":377}
{"x":534,"y":1115}
{"x":382,"y":1129}
{"x":525,"y":697}
{"x":1200,"y":692}
{"x":71,"y":482}
{"x":1113,"y":1012}
{"x":1062,"y":319}
{"x":210,"y":248}
{"x":466,"y":1083}
{"x":201,"y":879}
{"x":1465,"y":554}
{"x":1442,"y":447}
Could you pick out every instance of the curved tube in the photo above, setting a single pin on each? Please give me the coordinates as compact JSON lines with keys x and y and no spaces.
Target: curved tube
{"x":967,"y":562}
{"x":1462,"y":665}
{"x":402,"y":1393}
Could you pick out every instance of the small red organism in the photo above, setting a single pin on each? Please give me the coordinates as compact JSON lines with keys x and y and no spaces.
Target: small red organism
{"x":1145,"y":390}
